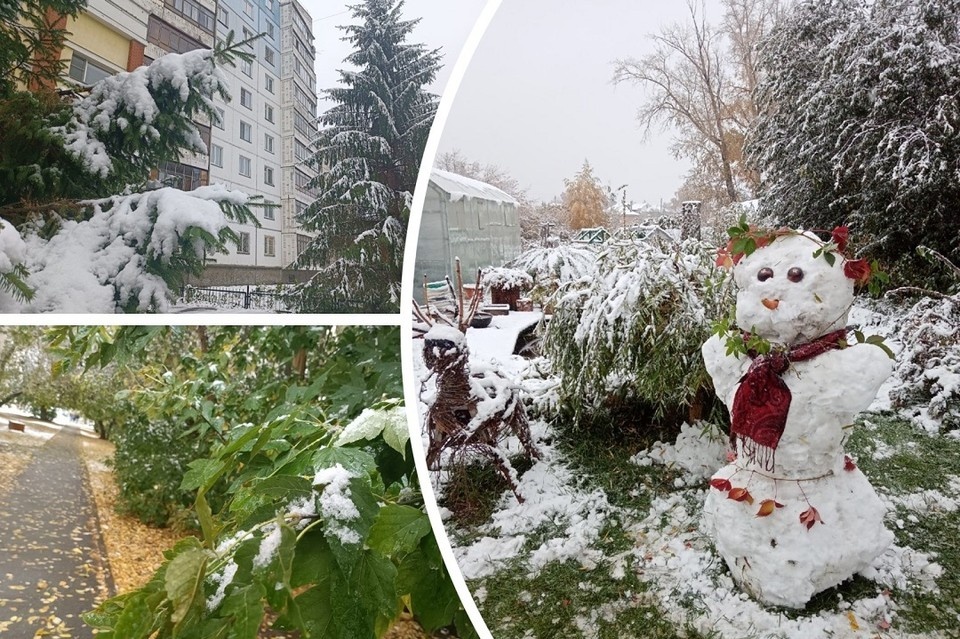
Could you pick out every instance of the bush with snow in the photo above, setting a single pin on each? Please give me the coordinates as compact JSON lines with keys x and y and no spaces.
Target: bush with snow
{"x":629,"y":338}
{"x":551,"y":267}
{"x":929,"y":365}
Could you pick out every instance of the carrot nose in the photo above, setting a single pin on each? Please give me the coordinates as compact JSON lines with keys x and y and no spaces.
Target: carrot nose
{"x":771,"y":304}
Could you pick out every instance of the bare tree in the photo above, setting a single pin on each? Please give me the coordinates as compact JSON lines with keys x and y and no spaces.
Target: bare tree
{"x":700,"y":79}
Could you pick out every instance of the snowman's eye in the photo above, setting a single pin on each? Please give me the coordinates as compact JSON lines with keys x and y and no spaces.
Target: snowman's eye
{"x":765,"y":274}
{"x":795,"y":274}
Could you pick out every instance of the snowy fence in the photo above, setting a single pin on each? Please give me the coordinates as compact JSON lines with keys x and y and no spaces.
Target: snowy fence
{"x":245,"y":297}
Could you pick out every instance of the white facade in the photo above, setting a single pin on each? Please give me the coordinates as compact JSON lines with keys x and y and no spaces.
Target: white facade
{"x":245,"y":146}
{"x":298,"y":96}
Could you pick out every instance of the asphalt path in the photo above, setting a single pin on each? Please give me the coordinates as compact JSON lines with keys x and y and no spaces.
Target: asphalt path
{"x":50,"y":546}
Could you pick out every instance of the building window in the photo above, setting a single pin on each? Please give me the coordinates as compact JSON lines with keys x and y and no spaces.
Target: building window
{"x":216,"y":155}
{"x":303,"y":243}
{"x":181,"y":176}
{"x":86,"y":72}
{"x":268,"y":211}
{"x":268,"y":175}
{"x":189,"y":9}
{"x":243,"y":246}
{"x":218,"y":121}
{"x":223,"y":16}
{"x":248,"y":8}
{"x":268,"y":143}
{"x":245,"y":166}
{"x":304,"y":100}
{"x":246,"y":98}
{"x":268,"y":4}
{"x":269,"y":245}
{"x":247,"y":67}
{"x":268,"y":113}
{"x":300,"y":151}
{"x":271,"y":31}
{"x":268,"y":83}
{"x":302,"y":182}
{"x":246,"y":131}
{"x":168,"y":38}
{"x":304,"y":126}
{"x":268,"y":55}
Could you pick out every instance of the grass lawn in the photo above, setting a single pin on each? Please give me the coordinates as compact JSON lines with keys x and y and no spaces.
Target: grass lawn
{"x":620,"y":595}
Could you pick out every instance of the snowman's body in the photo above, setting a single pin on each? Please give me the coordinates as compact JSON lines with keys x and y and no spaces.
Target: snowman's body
{"x":776,"y":558}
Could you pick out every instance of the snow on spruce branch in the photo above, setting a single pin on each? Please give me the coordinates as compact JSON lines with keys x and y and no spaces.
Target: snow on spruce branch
{"x":155,"y":103}
{"x":124,"y":255}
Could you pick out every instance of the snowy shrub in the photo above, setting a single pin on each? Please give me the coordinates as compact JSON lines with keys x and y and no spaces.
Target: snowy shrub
{"x":627,"y":342}
{"x":929,"y":364}
{"x":552,"y":266}
{"x":506,"y":278}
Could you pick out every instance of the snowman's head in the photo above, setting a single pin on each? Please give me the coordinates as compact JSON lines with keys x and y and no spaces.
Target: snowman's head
{"x":788,"y":296}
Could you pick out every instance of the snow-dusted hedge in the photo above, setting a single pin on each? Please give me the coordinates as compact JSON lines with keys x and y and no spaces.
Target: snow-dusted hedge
{"x":506,"y":278}
{"x":929,"y":364}
{"x":630,"y":337}
{"x":551,"y":267}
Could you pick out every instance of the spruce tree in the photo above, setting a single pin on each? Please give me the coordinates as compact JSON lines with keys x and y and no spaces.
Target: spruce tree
{"x":368,"y":154}
{"x":860,"y":125}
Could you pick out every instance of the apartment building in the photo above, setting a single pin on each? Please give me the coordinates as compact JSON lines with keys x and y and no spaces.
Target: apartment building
{"x":298,"y":102}
{"x":262,"y":135}
{"x":245,"y":146}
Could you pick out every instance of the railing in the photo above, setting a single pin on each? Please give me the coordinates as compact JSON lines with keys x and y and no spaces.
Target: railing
{"x":245,"y":297}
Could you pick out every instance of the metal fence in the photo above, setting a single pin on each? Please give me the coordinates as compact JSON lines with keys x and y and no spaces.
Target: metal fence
{"x":245,"y":297}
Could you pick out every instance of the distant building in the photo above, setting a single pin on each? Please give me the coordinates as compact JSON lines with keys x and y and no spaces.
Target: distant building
{"x":465,"y":218}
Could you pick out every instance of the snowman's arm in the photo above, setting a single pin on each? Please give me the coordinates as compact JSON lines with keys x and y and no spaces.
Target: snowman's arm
{"x":848,"y":378}
{"x":726,"y":370}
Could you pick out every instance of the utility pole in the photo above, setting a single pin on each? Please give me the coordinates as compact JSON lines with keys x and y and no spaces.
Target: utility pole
{"x":623,"y":202}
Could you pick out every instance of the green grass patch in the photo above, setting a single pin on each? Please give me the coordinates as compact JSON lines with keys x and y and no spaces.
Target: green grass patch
{"x":564,"y":600}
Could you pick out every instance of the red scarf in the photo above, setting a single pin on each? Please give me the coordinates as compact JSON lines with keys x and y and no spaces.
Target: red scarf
{"x":762,"y":401}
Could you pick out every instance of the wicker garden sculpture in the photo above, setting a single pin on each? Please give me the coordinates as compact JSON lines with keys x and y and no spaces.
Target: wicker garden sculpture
{"x":474,"y":410}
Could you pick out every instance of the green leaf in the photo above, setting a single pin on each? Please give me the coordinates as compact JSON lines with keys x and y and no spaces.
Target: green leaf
{"x":136,"y":620}
{"x":184,"y":583}
{"x":203,"y":473}
{"x":284,"y":487}
{"x":208,"y":525}
{"x":245,"y":607}
{"x":398,"y":529}
{"x":830,"y":257}
{"x":357,"y":462}
{"x":434,"y":600}
{"x":373,"y":581}
{"x":397,"y":431}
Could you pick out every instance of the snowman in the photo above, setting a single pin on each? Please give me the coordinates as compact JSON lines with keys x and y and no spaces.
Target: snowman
{"x":792,"y":515}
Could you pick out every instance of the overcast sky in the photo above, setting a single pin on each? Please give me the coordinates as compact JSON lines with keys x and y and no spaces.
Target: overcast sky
{"x":444,"y":24}
{"x":537,"y":98}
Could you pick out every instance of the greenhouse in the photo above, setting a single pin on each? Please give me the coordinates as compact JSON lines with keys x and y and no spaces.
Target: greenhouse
{"x":465,"y":218}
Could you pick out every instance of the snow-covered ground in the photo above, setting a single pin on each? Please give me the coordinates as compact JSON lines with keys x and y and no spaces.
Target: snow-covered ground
{"x":562,"y":518}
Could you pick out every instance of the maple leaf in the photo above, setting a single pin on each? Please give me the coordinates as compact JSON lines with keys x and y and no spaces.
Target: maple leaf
{"x":740,"y":494}
{"x":767,"y":506}
{"x":721,"y":484}
{"x":809,"y":517}
{"x":848,"y":463}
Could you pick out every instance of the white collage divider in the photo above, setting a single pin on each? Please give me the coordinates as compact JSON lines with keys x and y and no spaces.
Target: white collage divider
{"x":410,"y":386}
